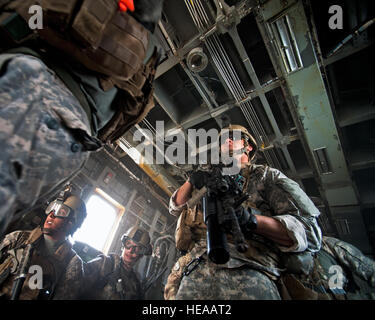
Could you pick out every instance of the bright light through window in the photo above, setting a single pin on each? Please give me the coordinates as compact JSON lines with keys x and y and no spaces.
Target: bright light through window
{"x":98,"y":224}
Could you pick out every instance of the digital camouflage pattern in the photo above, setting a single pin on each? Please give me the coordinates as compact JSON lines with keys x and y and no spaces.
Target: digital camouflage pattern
{"x":277,"y":196}
{"x":240,"y":279}
{"x":107,"y":279}
{"x":44,"y":133}
{"x":212,"y":282}
{"x":274,"y":195}
{"x":62,"y":270}
{"x":341,"y":272}
{"x":359,"y":270}
{"x":352,"y":258}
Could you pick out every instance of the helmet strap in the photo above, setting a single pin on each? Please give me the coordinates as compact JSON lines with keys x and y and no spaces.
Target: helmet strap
{"x":244,"y":149}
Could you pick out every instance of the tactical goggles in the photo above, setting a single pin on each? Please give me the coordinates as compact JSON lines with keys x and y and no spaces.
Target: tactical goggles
{"x":234,"y":136}
{"x":59,"y":209}
{"x":134,"y":248}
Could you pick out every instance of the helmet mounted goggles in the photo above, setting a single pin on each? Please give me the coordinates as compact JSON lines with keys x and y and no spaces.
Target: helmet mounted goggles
{"x":59,"y":209}
{"x":137,"y":248}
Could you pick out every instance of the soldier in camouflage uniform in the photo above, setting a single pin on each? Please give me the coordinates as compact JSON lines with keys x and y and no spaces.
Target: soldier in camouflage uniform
{"x":83,"y":79}
{"x":44,"y":133}
{"x":340,"y":272}
{"x":112,"y":277}
{"x":60,"y":267}
{"x":284,"y":223}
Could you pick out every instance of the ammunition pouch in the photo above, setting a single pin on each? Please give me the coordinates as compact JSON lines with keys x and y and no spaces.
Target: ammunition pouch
{"x":291,"y":288}
{"x":298,"y":263}
{"x":92,"y":32}
{"x":190,"y":228}
{"x":133,"y":102}
{"x":175,"y":277}
{"x":97,"y":35}
{"x":183,"y":235}
{"x":314,"y":285}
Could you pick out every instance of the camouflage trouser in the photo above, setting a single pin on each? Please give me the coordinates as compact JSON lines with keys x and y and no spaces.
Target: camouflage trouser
{"x":211,"y":282}
{"x":37,"y":149}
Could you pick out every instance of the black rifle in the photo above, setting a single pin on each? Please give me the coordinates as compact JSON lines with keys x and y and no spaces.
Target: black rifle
{"x":223,"y":196}
{"x":18,"y":282}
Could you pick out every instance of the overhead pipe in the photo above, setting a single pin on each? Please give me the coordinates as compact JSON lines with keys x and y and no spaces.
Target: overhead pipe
{"x":357,"y":32}
{"x":228,"y":73}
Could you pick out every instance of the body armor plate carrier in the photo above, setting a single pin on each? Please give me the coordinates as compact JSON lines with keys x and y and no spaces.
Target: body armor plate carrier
{"x":100,"y":37}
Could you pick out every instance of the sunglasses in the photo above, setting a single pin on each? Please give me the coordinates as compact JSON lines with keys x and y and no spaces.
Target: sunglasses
{"x":58,"y":209}
{"x":134,"y":248}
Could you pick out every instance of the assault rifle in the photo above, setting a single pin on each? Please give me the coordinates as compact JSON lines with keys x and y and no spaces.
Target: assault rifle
{"x":20,"y":279}
{"x":221,"y":196}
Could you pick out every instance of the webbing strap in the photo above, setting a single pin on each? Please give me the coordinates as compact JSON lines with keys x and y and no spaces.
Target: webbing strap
{"x":122,"y":53}
{"x":124,"y":24}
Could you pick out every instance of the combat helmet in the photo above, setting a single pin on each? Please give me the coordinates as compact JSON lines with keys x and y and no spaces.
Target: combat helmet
{"x":71,"y":207}
{"x":139,"y":236}
{"x":79,"y":209}
{"x":245,"y":134}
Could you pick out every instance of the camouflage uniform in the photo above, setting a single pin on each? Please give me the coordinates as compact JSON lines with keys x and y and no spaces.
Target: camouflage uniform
{"x":44,"y":133}
{"x":106,"y":278}
{"x":253,"y":274}
{"x":62,"y":269}
{"x":341,"y":272}
{"x":107,"y":65}
{"x":359,"y":269}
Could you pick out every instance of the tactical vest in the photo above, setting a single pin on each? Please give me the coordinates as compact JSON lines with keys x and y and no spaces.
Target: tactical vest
{"x":261,"y":254}
{"x":116,"y":283}
{"x":100,"y":37}
{"x":53,"y":266}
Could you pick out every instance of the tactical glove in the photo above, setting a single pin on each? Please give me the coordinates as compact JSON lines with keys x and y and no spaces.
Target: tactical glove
{"x":247,"y":221}
{"x":198,"y":179}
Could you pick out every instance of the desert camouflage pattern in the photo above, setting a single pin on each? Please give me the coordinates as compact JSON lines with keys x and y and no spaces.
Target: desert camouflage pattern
{"x":107,"y":279}
{"x":274,"y":195}
{"x":62,"y":270}
{"x":44,"y":133}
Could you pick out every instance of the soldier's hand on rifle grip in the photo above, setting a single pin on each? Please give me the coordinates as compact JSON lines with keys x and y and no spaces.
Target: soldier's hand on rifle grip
{"x":198,"y":179}
{"x":246,"y":220}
